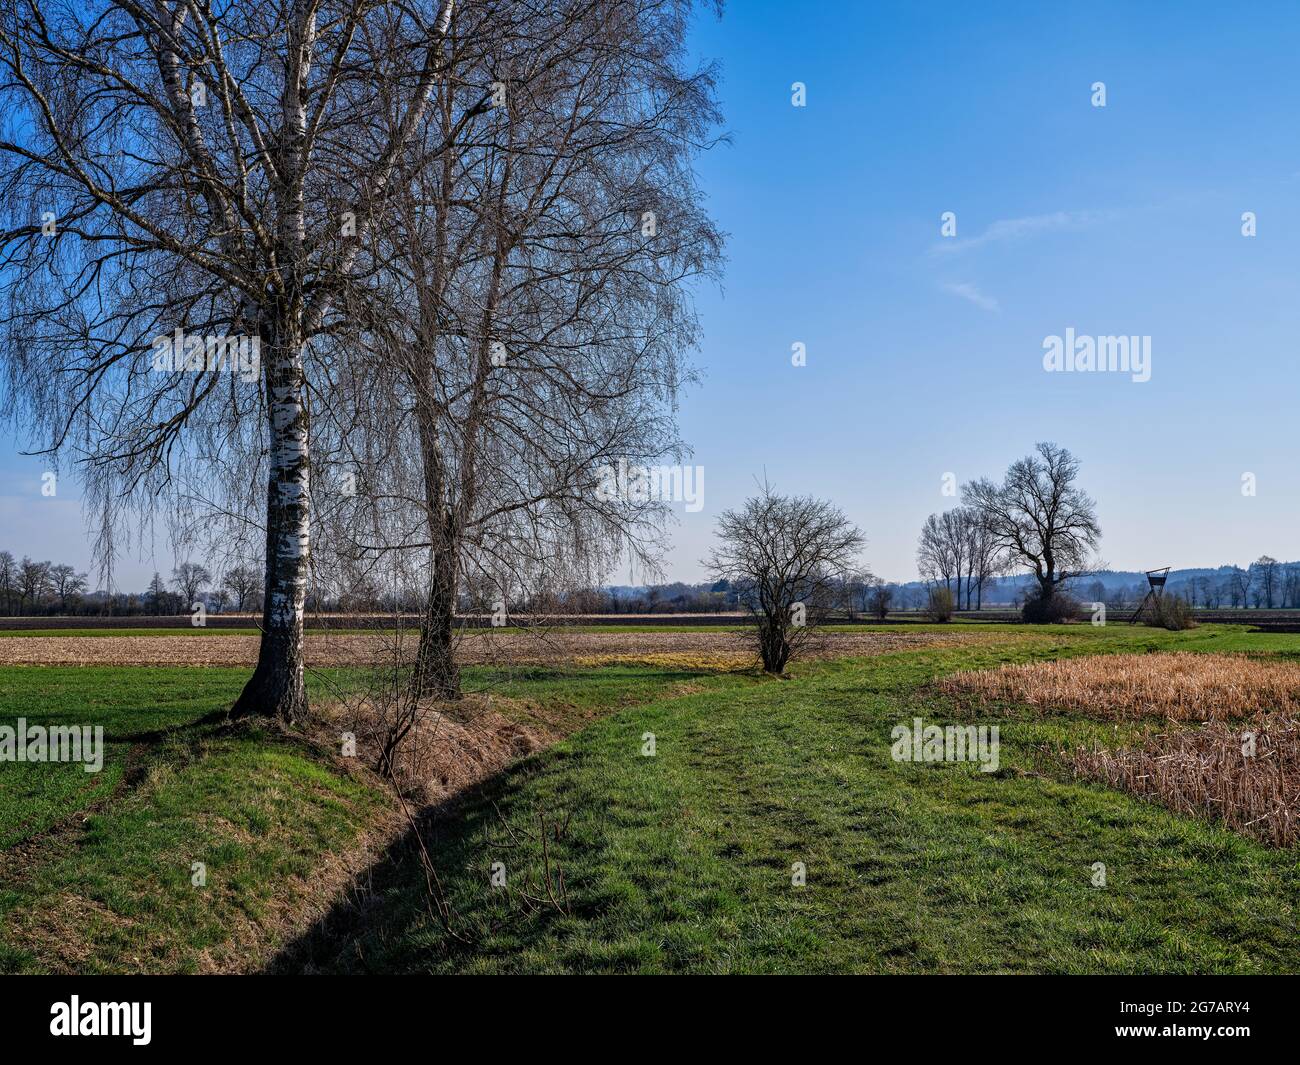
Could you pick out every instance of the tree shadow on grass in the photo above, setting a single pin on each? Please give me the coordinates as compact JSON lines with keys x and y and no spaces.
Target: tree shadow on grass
{"x":545,"y":817}
{"x":397,"y":918}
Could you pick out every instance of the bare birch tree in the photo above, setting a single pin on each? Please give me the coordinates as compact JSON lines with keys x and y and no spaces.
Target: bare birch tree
{"x":530,"y":318}
{"x":171,"y":169}
{"x":451,"y":231}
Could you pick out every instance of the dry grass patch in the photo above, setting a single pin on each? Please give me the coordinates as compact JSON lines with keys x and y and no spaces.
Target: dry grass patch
{"x":1179,"y":687}
{"x":451,"y":745}
{"x":1247,"y":778}
{"x":1207,"y":770}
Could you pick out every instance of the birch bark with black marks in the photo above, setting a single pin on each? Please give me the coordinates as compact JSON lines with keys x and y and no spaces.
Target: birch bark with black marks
{"x":277,"y":686}
{"x":218,"y":217}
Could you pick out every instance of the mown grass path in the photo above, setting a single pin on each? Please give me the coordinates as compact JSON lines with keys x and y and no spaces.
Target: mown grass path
{"x":682,"y":862}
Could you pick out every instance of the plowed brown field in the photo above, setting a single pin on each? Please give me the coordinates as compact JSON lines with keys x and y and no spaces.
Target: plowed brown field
{"x":699,"y":649}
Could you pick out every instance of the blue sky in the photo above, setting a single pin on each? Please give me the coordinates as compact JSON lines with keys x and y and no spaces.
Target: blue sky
{"x":925,"y":353}
{"x":1117,"y":220}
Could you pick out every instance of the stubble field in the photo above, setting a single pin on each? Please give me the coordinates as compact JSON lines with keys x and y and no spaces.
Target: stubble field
{"x":712,"y":648}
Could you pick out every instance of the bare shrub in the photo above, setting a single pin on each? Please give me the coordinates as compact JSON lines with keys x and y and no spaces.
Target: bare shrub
{"x":1249,"y":780}
{"x":1169,"y":612}
{"x":1055,"y":609}
{"x":939,"y":605}
{"x":781,"y":554}
{"x":879,"y":601}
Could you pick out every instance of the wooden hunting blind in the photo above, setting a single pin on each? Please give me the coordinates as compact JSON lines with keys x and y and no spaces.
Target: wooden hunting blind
{"x":1156,"y":579}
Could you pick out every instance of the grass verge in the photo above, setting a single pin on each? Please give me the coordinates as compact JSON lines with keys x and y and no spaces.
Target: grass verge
{"x":684,"y":861}
{"x":98,"y":871}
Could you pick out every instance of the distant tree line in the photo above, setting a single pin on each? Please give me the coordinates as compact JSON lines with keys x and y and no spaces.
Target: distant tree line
{"x":1266,"y":584}
{"x":33,"y":588}
{"x":953,"y":553}
{"x":30,"y":587}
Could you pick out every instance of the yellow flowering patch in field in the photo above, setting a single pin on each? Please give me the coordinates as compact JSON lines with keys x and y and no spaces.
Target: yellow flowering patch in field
{"x":695,"y":661}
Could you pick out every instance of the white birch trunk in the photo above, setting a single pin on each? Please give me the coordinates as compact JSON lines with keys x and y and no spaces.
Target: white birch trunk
{"x":277,"y":687}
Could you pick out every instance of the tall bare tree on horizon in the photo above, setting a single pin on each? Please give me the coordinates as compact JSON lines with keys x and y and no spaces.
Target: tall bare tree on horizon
{"x":1040,"y":518}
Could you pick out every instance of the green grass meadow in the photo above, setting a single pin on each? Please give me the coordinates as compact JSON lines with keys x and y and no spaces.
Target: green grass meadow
{"x":618,"y":861}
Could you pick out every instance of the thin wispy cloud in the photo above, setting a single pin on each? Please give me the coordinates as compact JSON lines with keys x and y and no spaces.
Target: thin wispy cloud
{"x":1007,"y":230}
{"x":971,"y":294}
